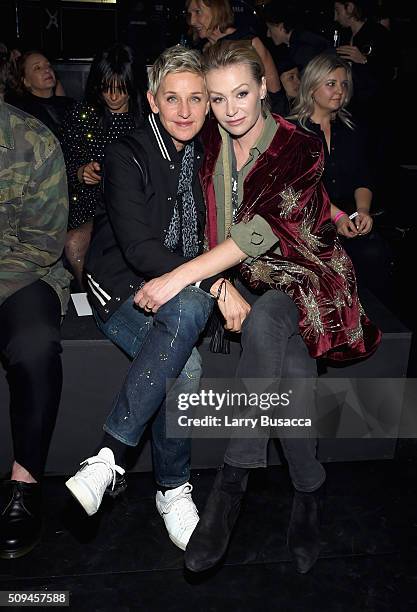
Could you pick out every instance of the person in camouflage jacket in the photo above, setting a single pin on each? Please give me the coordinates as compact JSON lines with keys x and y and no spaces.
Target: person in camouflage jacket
{"x":33,"y":297}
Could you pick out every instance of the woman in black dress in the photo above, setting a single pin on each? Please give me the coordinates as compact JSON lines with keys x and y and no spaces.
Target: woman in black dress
{"x":35,"y":91}
{"x":111,"y":109}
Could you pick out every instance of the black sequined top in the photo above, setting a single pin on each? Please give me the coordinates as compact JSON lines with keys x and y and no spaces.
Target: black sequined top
{"x":84,"y":138}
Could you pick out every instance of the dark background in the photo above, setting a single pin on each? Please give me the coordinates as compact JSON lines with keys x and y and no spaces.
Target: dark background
{"x":70,"y":33}
{"x":82,"y":26}
{"x":122,"y":559}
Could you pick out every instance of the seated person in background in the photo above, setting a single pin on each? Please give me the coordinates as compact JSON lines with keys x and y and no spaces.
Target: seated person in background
{"x":283,"y":100}
{"x":212,"y":20}
{"x":268,"y":216}
{"x":33,"y":297}
{"x":151,"y":222}
{"x":112,"y":107}
{"x":35,"y":91}
{"x":325,"y":91}
{"x":297,"y":44}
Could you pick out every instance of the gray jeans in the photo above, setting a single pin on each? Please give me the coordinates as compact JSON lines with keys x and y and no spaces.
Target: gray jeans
{"x":273,"y":348}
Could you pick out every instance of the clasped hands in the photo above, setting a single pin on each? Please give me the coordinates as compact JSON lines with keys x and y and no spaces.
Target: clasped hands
{"x":159,"y":291}
{"x":232,"y":305}
{"x":90,"y":173}
{"x":350,"y":228}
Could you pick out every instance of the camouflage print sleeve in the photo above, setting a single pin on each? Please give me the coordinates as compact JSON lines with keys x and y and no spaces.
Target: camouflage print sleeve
{"x":41,"y":227}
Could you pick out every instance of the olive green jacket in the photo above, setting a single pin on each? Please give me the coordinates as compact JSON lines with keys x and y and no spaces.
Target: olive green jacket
{"x":33,"y":205}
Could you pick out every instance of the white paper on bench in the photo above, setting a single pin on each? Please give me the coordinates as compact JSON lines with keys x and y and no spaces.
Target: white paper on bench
{"x":82,"y":305}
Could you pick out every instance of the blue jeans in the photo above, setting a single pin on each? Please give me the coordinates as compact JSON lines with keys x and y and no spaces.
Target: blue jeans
{"x":162,"y":346}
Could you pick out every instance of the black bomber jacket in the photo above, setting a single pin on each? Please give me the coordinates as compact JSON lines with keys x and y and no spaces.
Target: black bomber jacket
{"x":140,"y":179}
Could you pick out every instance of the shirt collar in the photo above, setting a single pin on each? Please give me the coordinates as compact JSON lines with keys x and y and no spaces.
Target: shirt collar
{"x":265,"y":139}
{"x":316,"y":127}
{"x":6,"y":133}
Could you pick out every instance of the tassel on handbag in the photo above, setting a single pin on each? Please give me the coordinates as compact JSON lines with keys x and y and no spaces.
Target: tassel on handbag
{"x":219,"y":342}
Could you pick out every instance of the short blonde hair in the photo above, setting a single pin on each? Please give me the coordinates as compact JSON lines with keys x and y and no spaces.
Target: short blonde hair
{"x":173,"y":60}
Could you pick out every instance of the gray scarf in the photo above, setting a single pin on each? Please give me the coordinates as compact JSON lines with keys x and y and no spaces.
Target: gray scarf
{"x":185,"y":225}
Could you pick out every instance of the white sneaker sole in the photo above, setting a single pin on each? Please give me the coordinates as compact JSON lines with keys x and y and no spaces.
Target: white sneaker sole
{"x":174,"y":540}
{"x":177,"y":542}
{"x":83,"y":495}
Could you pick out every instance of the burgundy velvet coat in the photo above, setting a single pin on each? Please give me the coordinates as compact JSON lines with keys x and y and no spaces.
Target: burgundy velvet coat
{"x":284,"y":187}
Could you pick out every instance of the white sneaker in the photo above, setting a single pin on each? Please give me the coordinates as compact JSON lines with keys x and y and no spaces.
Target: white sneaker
{"x":90,"y":482}
{"x":179,"y":513}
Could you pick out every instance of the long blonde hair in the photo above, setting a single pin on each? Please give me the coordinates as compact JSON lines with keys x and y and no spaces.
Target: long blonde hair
{"x":315,"y":73}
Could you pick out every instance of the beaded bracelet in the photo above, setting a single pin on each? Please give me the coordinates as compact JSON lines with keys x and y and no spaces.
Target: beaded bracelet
{"x":337,"y":216}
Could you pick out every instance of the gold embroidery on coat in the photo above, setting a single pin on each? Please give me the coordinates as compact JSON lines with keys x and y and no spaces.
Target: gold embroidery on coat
{"x":356,"y":334}
{"x":306,"y":234}
{"x":310,"y":256}
{"x":262,"y":271}
{"x":340,"y":262}
{"x":290,"y":200}
{"x":314,"y":322}
{"x":279,"y":271}
{"x":339,"y":300}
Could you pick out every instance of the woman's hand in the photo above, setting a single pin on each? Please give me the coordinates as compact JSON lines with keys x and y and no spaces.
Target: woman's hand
{"x":346,"y":227}
{"x":232,"y":305}
{"x":159,"y":291}
{"x":364,"y":222}
{"x":89,"y":174}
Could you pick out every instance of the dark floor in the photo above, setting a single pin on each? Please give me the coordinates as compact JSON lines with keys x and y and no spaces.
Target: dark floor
{"x":122,"y":559}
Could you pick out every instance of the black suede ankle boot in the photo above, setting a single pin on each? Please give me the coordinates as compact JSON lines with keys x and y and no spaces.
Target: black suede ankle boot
{"x":304,"y":529}
{"x":211,"y":537}
{"x":20,"y":519}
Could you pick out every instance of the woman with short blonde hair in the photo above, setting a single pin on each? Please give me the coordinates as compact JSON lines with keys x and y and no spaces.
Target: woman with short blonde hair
{"x":172,"y":61}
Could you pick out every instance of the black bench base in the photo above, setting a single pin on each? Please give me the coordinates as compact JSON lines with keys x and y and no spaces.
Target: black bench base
{"x":94,"y":369}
